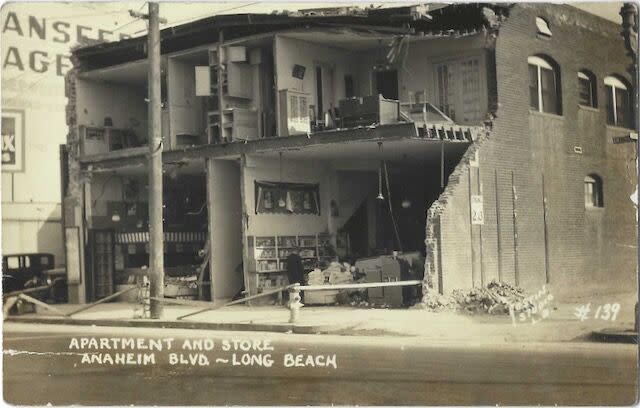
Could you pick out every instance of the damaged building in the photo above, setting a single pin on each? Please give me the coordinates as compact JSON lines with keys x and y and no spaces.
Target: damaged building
{"x":485,"y":137}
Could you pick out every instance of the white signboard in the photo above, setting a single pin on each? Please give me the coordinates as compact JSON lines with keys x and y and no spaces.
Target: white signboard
{"x":477,"y":210}
{"x":12,"y":140}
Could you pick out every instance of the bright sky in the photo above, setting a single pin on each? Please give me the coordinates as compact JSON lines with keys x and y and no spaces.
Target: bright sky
{"x":115,"y":15}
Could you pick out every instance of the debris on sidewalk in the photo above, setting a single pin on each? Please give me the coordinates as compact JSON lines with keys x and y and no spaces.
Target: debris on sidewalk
{"x":495,"y":298}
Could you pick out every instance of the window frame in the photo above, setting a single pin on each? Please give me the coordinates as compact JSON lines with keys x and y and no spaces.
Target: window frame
{"x":613,"y":83}
{"x":542,"y":26}
{"x":595,"y":197}
{"x":540,"y":63}
{"x":593,"y":89}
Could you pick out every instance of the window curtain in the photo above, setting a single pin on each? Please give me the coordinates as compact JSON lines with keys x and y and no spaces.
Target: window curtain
{"x":623,"y":112}
{"x":585,"y":94}
{"x":611,"y":119}
{"x":533,"y":87}
{"x":287,"y":198}
{"x":549,"y":92}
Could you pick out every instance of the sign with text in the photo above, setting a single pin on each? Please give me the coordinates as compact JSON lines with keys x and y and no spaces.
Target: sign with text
{"x":477,"y":210}
{"x":12,"y":141}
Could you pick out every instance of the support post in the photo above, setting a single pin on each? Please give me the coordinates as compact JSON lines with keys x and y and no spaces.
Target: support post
{"x":156,"y":238}
{"x":514,"y":200}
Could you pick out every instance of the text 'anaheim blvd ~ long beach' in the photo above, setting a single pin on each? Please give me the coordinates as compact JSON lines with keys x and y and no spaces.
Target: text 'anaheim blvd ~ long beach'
{"x":191,"y":352}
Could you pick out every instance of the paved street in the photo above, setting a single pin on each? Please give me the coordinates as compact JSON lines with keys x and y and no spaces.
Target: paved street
{"x":389,"y":370}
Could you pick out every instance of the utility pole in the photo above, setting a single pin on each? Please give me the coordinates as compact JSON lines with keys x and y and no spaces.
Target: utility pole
{"x":156,"y":235}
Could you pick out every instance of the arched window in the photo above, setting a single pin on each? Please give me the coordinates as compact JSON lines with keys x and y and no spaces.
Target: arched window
{"x":587,"y":91}
{"x":593,"y":191}
{"x":543,"y":27}
{"x":618,"y":102}
{"x":544,"y":85}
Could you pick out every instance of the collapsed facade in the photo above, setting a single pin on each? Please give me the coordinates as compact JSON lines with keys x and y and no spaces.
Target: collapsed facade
{"x":486,"y":137}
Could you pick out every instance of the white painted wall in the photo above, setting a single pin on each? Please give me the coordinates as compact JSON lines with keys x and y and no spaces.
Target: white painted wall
{"x":225,"y":222}
{"x":185,"y":108}
{"x":124,"y":104}
{"x":348,"y":188}
{"x":418,"y":72}
{"x":260,"y":169}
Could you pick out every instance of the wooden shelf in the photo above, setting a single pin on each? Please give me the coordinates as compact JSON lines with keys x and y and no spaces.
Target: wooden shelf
{"x":313,"y":243}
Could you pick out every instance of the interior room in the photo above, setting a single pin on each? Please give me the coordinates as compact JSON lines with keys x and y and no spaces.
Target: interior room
{"x":344,"y":202}
{"x":317,"y":70}
{"x":112,"y":108}
{"x":118,"y":245}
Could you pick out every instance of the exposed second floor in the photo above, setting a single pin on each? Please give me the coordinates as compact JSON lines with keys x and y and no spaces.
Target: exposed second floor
{"x":315,"y":73}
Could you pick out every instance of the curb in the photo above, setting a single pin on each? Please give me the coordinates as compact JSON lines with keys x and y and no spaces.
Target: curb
{"x":615,"y":336}
{"x":176,"y":324}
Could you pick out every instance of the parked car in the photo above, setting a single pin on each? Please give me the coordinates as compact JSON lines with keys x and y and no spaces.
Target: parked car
{"x":24,"y":271}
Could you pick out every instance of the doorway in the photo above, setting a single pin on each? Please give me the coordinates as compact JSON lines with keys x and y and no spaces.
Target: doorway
{"x":387,"y":84}
{"x":101,"y":263}
{"x":324,"y":90}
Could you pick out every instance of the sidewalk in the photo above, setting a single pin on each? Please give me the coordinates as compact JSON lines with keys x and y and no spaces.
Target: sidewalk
{"x":561,"y":325}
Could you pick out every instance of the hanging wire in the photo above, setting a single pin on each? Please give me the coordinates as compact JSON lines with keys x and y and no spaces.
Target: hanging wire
{"x":380,"y":196}
{"x":393,"y":219}
{"x":216,"y":12}
{"x":127,"y":24}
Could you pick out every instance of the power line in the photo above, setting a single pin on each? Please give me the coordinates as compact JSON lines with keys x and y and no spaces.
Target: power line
{"x":127,"y":24}
{"x":215,"y":13}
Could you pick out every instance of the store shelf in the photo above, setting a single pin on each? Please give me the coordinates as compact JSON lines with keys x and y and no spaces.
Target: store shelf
{"x":308,"y":244}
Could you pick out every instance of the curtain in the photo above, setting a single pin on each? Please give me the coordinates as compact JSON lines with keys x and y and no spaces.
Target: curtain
{"x":549,"y":91}
{"x":287,"y":198}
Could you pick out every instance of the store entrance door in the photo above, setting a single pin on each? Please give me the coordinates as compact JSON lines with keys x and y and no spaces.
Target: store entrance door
{"x":101,"y":264}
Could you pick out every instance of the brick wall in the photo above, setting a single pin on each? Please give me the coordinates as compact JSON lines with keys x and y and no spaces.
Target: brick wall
{"x":528,"y":171}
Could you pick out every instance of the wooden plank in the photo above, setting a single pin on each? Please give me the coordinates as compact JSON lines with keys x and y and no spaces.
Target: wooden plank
{"x":30,"y":290}
{"x":8,"y":304}
{"x":104,"y":299}
{"x":183,"y":302}
{"x":235,"y":302}
{"x":360,"y":285}
{"x":41,"y":304}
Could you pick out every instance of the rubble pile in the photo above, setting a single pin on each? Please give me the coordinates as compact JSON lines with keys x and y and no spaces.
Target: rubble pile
{"x":315,"y":277}
{"x":335,"y":274}
{"x":495,"y":298}
{"x":436,"y":302}
{"x":340,"y":274}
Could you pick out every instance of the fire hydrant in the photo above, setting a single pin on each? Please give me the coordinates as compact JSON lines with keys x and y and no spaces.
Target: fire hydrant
{"x":294,"y":304}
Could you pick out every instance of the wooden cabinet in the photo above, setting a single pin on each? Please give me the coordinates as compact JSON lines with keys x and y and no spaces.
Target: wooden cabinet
{"x":98,"y":140}
{"x":294,"y":113}
{"x":228,"y":82}
{"x":236,"y":124}
{"x":233,"y":77}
